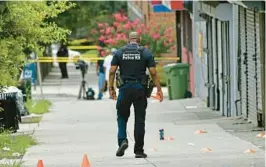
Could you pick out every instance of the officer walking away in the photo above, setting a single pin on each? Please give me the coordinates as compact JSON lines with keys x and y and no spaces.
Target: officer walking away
{"x":100,"y":73}
{"x":132,"y":61}
{"x":63,"y":52}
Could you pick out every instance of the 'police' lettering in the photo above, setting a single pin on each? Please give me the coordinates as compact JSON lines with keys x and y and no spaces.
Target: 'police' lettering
{"x":131,"y":56}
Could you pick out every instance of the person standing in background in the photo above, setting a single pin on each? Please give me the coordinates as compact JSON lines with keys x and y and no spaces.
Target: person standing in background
{"x":100,"y":73}
{"x":107,"y":65}
{"x":63,"y":52}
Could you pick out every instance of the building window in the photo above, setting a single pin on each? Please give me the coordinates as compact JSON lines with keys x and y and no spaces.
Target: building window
{"x":184,"y":25}
{"x":189,"y":29}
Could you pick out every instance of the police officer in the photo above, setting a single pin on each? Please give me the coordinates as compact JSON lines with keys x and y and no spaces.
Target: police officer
{"x":63,"y":52}
{"x":132,"y":61}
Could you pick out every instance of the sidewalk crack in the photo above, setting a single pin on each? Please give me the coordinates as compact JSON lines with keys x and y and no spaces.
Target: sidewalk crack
{"x":151,"y":162}
{"x":129,"y":136}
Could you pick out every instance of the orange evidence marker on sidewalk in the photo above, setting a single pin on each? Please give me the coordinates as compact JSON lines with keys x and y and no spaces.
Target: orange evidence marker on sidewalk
{"x":40,"y":163}
{"x":85,"y":162}
{"x":169,"y":138}
{"x":250,"y":151}
{"x":206,"y":150}
{"x":200,"y":132}
{"x":153,"y":149}
{"x":261,"y":135}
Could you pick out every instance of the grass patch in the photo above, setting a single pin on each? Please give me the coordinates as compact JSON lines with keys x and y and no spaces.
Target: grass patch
{"x":11,"y":164}
{"x":14,"y":146}
{"x":31,"y":120}
{"x":38,"y":106}
{"x":90,"y":53}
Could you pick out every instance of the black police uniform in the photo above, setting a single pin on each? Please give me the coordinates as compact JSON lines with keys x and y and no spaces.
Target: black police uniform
{"x":63,"y":52}
{"x":132,"y":60}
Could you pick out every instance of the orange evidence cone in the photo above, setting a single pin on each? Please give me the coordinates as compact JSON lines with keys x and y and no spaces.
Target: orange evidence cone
{"x":260,"y":135}
{"x":206,"y":150}
{"x":200,"y":132}
{"x":85,"y":162}
{"x":249,"y":151}
{"x":40,"y":163}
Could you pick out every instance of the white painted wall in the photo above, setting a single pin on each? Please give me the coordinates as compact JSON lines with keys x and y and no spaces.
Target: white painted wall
{"x":225,"y":12}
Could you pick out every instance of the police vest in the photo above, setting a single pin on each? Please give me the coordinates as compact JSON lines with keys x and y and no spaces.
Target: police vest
{"x":133,"y":65}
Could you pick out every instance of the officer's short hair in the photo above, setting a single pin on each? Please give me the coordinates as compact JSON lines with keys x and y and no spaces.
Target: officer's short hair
{"x":133,"y":35}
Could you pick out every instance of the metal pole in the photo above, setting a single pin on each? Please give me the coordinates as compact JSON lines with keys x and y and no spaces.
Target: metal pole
{"x":262,"y":61}
{"x":264,"y":73}
{"x":39,"y":75}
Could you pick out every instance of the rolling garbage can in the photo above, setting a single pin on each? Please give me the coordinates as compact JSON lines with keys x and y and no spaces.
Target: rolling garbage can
{"x":9,"y":115}
{"x":177,"y":80}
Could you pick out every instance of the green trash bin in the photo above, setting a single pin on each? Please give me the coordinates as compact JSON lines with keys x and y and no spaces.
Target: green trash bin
{"x":177,"y":80}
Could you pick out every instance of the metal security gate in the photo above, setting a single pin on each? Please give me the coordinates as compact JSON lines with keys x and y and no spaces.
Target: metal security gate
{"x":222,"y":68}
{"x":250,"y":64}
{"x":243,"y":62}
{"x":251,"y":60}
{"x":210,"y":84}
{"x":258,"y":63}
{"x":225,"y":75}
{"x":215,"y":65}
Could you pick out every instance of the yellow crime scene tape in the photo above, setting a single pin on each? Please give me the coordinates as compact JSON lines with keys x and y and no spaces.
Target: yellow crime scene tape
{"x":85,"y":57}
{"x":84,"y":47}
{"x":91,"y":59}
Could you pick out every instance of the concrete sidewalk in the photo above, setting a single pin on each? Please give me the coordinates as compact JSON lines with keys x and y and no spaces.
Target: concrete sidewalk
{"x":75,"y":127}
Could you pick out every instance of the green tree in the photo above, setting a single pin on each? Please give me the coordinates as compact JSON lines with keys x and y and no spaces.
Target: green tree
{"x":26,"y":26}
{"x":86,"y":14}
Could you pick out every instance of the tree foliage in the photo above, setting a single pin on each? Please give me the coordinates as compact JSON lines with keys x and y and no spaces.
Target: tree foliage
{"x":158,"y":38}
{"x":86,"y":14}
{"x":26,"y":25}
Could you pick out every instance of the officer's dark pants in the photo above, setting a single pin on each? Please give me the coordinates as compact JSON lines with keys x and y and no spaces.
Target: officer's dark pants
{"x":63,"y":68}
{"x":133,"y":93}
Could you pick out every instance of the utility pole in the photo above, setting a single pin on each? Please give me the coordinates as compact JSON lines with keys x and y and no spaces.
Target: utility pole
{"x":263,"y":79}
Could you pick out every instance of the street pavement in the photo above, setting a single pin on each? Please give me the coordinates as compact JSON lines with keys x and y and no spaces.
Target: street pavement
{"x":77,"y":127}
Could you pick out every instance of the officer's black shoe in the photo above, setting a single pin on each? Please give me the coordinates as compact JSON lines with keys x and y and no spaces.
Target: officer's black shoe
{"x":121,"y":150}
{"x":140,"y":155}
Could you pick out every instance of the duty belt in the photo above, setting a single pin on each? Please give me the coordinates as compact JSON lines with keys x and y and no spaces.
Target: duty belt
{"x":141,"y":81}
{"x":132,"y":81}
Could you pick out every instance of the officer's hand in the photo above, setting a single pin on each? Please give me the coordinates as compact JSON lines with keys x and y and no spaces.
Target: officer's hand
{"x":160,"y":94}
{"x":112,"y":94}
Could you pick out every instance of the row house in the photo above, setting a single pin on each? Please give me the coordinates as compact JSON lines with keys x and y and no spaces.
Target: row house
{"x":224,"y":43}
